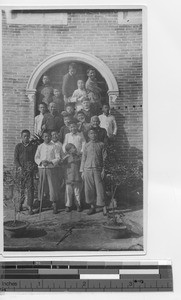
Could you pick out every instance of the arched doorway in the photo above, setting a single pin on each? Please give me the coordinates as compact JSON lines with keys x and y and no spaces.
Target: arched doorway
{"x":64,"y":58}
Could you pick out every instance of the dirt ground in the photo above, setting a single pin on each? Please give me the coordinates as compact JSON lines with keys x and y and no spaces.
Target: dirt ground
{"x":46,"y":230}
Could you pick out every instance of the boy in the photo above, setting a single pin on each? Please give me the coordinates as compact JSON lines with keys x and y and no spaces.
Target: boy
{"x":57,"y":143}
{"x":79,"y":95}
{"x":93,"y":91}
{"x":47,"y":158}
{"x":92,"y":169}
{"x":72,"y":177}
{"x":24,"y":160}
{"x":58,"y":169}
{"x":57,"y":100}
{"x":45,"y":92}
{"x":51,"y":120}
{"x":83,"y":126}
{"x":65,"y":129}
{"x":87,"y":109}
{"x":101,"y":132}
{"x":108,"y":121}
{"x":38,"y":119}
{"x":70,"y":110}
{"x":69,"y":83}
{"x":74,"y":137}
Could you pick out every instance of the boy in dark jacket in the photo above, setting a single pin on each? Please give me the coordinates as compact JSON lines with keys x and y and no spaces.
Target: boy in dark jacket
{"x":24,"y":161}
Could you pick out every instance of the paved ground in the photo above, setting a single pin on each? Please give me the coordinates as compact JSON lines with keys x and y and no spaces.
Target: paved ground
{"x":46,"y":230}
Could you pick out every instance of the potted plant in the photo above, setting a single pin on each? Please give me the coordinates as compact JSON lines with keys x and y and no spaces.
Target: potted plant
{"x":118,"y":174}
{"x":13,"y":179}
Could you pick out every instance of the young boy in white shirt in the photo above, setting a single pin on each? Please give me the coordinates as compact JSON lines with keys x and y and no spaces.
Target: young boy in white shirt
{"x":39,"y":118}
{"x":74,"y":137}
{"x":108,"y":121}
{"x":47,"y":158}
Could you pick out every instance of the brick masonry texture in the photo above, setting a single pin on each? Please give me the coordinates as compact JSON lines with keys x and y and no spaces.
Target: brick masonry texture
{"x":119,"y":46}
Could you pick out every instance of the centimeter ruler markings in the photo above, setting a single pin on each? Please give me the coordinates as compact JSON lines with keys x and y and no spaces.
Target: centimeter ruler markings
{"x":85,"y":276}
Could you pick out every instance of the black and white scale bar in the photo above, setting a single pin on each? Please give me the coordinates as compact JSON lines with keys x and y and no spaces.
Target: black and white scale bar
{"x":85,"y":285}
{"x":86,"y":276}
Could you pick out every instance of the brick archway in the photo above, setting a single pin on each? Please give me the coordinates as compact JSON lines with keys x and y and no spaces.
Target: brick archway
{"x":62,"y":57}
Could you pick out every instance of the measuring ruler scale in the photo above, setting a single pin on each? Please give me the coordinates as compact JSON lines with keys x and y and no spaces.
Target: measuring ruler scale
{"x":86,"y":276}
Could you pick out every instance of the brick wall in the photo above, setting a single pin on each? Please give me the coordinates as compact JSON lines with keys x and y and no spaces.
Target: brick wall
{"x":98,"y":33}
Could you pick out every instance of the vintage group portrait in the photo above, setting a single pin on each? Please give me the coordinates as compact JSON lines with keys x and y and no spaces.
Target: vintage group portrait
{"x":74,"y":169}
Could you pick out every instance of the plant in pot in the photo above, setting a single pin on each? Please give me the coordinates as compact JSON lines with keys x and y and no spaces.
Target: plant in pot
{"x":13,"y":179}
{"x":118,"y":174}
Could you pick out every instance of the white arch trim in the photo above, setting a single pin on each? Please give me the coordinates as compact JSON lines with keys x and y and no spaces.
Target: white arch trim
{"x":62,"y":57}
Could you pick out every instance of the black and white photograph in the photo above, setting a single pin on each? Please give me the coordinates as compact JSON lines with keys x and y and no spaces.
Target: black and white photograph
{"x":74,"y":132}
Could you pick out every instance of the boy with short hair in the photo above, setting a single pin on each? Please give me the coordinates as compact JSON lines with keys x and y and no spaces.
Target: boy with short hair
{"x":72,"y":177}
{"x":70,"y":110}
{"x":51,"y":120}
{"x":65,"y":128}
{"x":39,"y":118}
{"x":83,"y":126}
{"x":108,"y":122}
{"x":47,"y":158}
{"x":92,"y":169}
{"x":57,"y":143}
{"x":58,"y":168}
{"x":79,"y":95}
{"x":24,"y":161}
{"x":58,"y":100}
{"x":101,"y":132}
{"x":74,"y":137}
{"x":87,"y":109}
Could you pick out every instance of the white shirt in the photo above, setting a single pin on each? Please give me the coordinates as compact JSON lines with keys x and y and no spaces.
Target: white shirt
{"x":59,"y":148}
{"x":109,"y":123}
{"x":77,"y":98}
{"x":47,"y":152}
{"x":76,"y":139}
{"x":38,"y":123}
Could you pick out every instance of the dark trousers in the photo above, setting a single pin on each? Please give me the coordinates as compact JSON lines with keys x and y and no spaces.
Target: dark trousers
{"x":27,"y":183}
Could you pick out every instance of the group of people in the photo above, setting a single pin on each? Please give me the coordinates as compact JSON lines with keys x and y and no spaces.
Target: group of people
{"x":75,"y":136}
{"x":74,"y":90}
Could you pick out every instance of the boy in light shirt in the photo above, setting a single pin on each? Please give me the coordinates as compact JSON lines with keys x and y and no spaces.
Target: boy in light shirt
{"x":39,"y":118}
{"x":108,"y":121}
{"x":74,"y":137}
{"x":79,"y":95}
{"x":47,"y":158}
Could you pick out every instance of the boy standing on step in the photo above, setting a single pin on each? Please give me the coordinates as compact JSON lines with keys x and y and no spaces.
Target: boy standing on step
{"x":92,"y":169}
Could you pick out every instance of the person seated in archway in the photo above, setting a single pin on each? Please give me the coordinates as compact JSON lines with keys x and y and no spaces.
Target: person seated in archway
{"x":45,"y":91}
{"x":58,"y":100}
{"x":52,"y":120}
{"x":79,"y":95}
{"x":93,"y":90}
{"x":69,"y":84}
